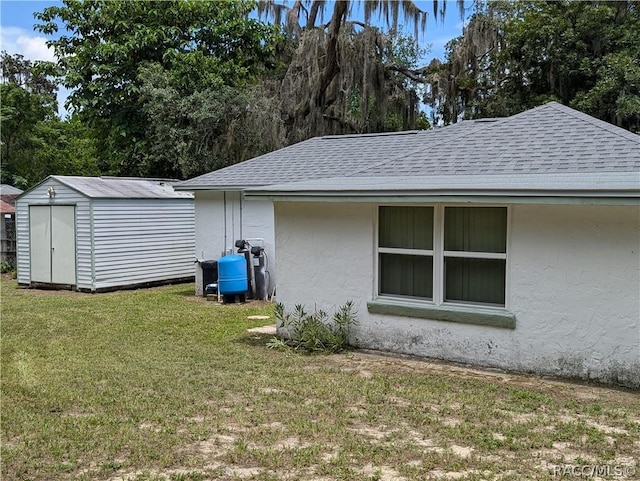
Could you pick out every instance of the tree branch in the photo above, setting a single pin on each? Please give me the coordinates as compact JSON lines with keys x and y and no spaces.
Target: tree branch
{"x":331,"y":67}
{"x":311,"y":18}
{"x":343,"y":122}
{"x":415,"y":75}
{"x":356,"y":22}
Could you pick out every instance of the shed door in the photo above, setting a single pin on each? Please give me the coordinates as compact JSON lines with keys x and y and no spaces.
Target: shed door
{"x":40,"y":241}
{"x":53,"y":244}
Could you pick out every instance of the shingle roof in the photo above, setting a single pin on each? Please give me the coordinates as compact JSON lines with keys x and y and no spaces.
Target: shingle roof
{"x":550,"y":138}
{"x":321,"y":157}
{"x":124,"y":188}
{"x":312,"y":159}
{"x":6,"y":208}
{"x":547,"y":139}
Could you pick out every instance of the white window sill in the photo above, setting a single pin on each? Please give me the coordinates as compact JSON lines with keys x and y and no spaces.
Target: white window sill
{"x":466,"y":315}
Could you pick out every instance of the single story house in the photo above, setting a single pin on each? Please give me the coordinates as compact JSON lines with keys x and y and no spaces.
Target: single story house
{"x":511,"y":243}
{"x":8,"y":194}
{"x":223,"y":216}
{"x":103,"y":233}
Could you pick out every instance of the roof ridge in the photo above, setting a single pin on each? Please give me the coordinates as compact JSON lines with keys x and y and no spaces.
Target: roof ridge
{"x":500,"y":120}
{"x":371,"y":134}
{"x":112,"y":178}
{"x":590,"y":119}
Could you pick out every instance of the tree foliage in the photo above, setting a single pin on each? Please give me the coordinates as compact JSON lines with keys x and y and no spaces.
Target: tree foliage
{"x":35,"y":142}
{"x":180,"y":87}
{"x":207,"y":129}
{"x":516,"y":55}
{"x":114,"y":51}
{"x":345,"y":75}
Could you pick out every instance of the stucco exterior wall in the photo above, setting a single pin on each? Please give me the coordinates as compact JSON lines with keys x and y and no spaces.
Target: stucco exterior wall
{"x":575,"y":289}
{"x":573,"y":277}
{"x":224,"y":217}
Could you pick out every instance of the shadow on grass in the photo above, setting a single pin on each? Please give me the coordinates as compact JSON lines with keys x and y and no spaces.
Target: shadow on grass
{"x":254,"y":339}
{"x":187,"y":290}
{"x":260,"y":340}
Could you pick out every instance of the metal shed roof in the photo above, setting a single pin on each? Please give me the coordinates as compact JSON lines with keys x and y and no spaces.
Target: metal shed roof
{"x":120,"y":188}
{"x":6,"y":189}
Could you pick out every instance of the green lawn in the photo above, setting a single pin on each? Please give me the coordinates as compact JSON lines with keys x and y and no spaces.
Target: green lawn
{"x":158,"y":384}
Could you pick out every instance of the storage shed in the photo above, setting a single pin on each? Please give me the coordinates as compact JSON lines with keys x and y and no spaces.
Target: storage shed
{"x":104,"y":233}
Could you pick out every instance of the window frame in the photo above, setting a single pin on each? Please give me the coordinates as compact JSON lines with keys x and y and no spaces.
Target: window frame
{"x":403,"y":251}
{"x":438,"y":254}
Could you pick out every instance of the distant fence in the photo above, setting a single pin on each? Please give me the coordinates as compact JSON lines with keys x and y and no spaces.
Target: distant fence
{"x":8,"y":240}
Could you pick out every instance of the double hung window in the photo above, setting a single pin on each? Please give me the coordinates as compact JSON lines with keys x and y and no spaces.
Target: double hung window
{"x":443,"y":254}
{"x":475,"y":254}
{"x":406,"y":251}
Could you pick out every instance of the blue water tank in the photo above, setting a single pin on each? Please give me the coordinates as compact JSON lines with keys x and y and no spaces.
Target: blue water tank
{"x":232,"y":275}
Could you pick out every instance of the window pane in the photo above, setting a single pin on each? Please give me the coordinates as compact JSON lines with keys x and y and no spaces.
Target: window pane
{"x":406,"y":275}
{"x":475,"y":280}
{"x":475,"y":229}
{"x":406,"y":227}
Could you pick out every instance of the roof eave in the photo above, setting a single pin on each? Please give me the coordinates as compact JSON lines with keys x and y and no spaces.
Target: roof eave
{"x":44,"y":181}
{"x":215,"y":188}
{"x":620,"y":197}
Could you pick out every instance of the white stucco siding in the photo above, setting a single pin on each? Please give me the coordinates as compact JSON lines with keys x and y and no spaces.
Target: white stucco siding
{"x":573,"y":277}
{"x":63,"y":196}
{"x":325,"y":255}
{"x":258,"y":223}
{"x":142,"y":240}
{"x":209,"y":229}
{"x":575,"y":289}
{"x":221,"y":218}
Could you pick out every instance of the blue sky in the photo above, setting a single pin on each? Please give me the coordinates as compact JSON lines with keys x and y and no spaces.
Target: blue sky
{"x":18,"y":37}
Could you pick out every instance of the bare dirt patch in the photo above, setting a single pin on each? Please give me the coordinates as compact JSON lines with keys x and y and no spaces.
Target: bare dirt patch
{"x":181,"y":391}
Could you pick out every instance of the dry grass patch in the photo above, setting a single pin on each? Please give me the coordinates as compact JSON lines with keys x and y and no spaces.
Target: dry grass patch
{"x":160,"y":385}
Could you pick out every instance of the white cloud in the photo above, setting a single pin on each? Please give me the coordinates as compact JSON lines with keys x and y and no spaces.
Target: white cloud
{"x":19,"y":41}
{"x":33,"y":47}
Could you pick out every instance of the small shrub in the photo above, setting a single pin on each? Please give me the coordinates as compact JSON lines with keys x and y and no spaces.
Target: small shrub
{"x":314,"y":332}
{"x":7,"y":267}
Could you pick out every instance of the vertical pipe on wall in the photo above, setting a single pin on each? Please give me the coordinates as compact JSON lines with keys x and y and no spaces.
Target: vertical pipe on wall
{"x":224,"y":203}
{"x":233,"y":220}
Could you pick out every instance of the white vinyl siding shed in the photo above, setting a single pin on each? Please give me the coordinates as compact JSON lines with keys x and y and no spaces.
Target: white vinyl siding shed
{"x":99,"y":234}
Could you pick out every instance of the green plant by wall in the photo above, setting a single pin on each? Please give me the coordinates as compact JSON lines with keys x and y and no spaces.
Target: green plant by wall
{"x":314,"y":332}
{"x":7,"y":267}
